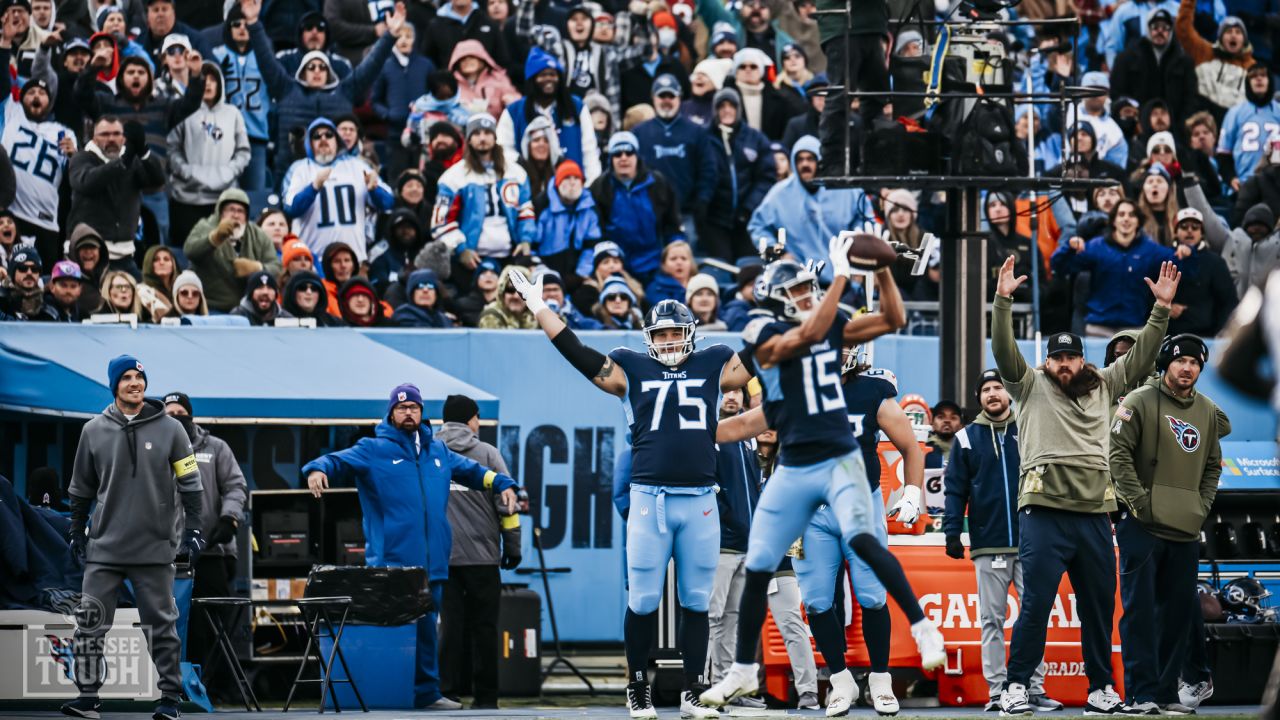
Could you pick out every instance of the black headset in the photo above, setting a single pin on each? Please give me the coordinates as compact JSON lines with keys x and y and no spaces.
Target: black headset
{"x":1172,"y":348}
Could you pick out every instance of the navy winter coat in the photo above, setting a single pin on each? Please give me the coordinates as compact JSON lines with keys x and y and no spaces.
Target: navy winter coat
{"x":982,"y":476}
{"x":738,"y":475}
{"x":681,"y":150}
{"x":404,"y":496}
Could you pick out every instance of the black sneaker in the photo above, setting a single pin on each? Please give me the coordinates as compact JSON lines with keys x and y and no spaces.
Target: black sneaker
{"x":1146,"y":708}
{"x":84,"y":707}
{"x":166,"y":709}
{"x":1104,"y":701}
{"x":993,"y":704}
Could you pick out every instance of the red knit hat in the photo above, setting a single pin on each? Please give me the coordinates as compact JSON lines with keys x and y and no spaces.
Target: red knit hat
{"x":568,"y":168}
{"x":664,"y":19}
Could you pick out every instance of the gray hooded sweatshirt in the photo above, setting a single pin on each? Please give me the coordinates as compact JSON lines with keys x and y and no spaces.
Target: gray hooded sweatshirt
{"x":145,"y":479}
{"x":477,"y":517}
{"x":223,"y":483}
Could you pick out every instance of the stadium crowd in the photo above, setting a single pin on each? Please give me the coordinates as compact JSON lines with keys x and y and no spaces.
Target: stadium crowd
{"x":371,"y":163}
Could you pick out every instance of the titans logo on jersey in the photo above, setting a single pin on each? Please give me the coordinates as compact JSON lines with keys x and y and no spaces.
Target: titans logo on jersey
{"x":672,"y":413}
{"x":862,"y":396}
{"x":803,"y":399}
{"x":37,"y":162}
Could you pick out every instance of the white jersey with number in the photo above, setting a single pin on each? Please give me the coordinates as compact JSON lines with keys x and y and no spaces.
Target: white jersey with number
{"x":38,"y":164}
{"x":338,"y":213}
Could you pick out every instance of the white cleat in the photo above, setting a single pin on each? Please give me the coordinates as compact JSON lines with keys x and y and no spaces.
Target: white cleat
{"x":639,"y":701}
{"x":740,"y":680}
{"x":880,"y":687}
{"x":843,"y":692}
{"x":692,"y":707}
{"x":933,"y":651}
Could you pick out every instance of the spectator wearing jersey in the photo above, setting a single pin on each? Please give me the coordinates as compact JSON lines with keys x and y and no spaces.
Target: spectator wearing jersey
{"x":508,"y":310}
{"x":246,"y":90}
{"x":260,"y":304}
{"x":402,"y":80}
{"x":677,"y":268}
{"x":679,"y":149}
{"x":312,"y":36}
{"x":547,"y":95}
{"x":207,"y":152}
{"x":89,"y":253}
{"x":1117,"y":262}
{"x":305,"y":297}
{"x":1248,"y":129}
{"x":26,"y":37}
{"x":422,"y":306}
{"x":189,"y":294}
{"x":746,"y":172}
{"x":483,"y":86}
{"x":226,"y":247}
{"x":316,"y":90}
{"x":326,"y":192}
{"x":62,"y":296}
{"x":467,"y":219}
{"x":810,"y":212}
{"x":42,"y":146}
{"x":638,"y":209}
{"x":107,"y":182}
{"x":567,"y":221}
{"x":618,"y":308}
{"x":590,"y":65}
{"x":1207,"y":294}
{"x":1221,"y":65}
{"x":1154,"y":67}
{"x":455,"y":21}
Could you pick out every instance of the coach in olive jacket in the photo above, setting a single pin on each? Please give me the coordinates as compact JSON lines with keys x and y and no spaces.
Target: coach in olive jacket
{"x":1165,"y":462}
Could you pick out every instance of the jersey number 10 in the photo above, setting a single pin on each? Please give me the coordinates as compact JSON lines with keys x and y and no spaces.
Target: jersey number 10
{"x":820,"y":373}
{"x":342,"y":211}
{"x":686,"y":401}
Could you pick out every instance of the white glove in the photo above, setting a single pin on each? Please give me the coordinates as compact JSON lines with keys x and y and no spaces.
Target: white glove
{"x":907,"y":510}
{"x":838,"y":252}
{"x":531,"y":291}
{"x":871,"y":227}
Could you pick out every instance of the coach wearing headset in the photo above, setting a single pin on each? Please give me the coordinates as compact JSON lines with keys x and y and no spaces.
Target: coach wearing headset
{"x":1165,"y":462}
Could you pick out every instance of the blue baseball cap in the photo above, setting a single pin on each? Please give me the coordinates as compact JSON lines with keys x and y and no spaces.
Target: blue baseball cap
{"x":666,"y":83}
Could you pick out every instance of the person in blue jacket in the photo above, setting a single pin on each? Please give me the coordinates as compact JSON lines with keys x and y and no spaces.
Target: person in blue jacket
{"x":637,"y":208}
{"x":1118,"y":262}
{"x":567,"y":222}
{"x":982,"y":479}
{"x":810,"y":213}
{"x":403,"y":475}
{"x":746,"y":172}
{"x":681,"y":150}
{"x":547,"y":95}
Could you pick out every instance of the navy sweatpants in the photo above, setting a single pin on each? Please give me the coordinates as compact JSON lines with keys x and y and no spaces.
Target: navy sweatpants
{"x":1157,"y":577}
{"x":1052,"y":542}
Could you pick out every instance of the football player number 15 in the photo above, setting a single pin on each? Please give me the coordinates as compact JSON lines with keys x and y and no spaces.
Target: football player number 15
{"x":682,"y":395}
{"x":822,"y":382}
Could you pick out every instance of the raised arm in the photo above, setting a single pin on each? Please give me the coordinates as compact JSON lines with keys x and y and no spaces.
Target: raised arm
{"x":273,"y":73}
{"x":595,"y":366}
{"x":797,"y":340}
{"x":1129,"y":371}
{"x":735,"y":374}
{"x":1013,"y":368}
{"x":891,"y":317}
{"x":742,"y":426}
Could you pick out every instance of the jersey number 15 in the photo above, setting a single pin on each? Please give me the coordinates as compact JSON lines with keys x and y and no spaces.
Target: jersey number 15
{"x":821,"y":373}
{"x":686,"y":401}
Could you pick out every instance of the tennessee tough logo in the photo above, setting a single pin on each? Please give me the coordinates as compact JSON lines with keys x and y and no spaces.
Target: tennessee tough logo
{"x":1186,"y":433}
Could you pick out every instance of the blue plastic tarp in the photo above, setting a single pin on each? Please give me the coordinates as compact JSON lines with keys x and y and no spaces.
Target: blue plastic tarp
{"x":297,"y":376}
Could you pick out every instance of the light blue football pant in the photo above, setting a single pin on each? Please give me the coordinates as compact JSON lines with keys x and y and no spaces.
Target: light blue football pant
{"x":823,"y":551}
{"x":794,"y":494}
{"x":667,"y":522}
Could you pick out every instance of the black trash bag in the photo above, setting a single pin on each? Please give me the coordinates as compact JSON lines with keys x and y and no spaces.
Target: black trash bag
{"x":384,"y":596}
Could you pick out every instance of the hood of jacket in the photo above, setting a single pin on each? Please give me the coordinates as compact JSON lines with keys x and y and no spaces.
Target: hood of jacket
{"x":347,"y":289}
{"x":1260,"y":214}
{"x":386,"y":431}
{"x":152,"y":410}
{"x":1110,"y":356}
{"x":233,"y":14}
{"x":321,"y":122}
{"x":326,"y":258}
{"x":110,"y":73}
{"x":470,"y":48}
{"x":542,"y":124}
{"x":403,"y":215}
{"x":148,"y":89}
{"x":82,"y":234}
{"x":232,"y":194}
{"x":296,"y":281}
{"x":458,"y":437}
{"x":807,"y":143}
{"x":216,"y":70}
{"x":309,"y":18}
{"x":322,"y":56}
{"x":1157,"y":381}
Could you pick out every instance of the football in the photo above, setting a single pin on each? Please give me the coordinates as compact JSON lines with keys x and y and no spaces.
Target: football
{"x":870,"y":252}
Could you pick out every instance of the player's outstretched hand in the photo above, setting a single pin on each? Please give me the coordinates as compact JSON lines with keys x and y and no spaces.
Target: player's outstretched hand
{"x":838,"y":254}
{"x":907,"y":509}
{"x":530,"y":290}
{"x":1167,"y":286}
{"x":1007,"y":284}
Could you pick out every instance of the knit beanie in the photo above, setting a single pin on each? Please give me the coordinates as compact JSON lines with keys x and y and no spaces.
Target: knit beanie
{"x":460,"y":409}
{"x":118,"y":367}
{"x":407,"y":392}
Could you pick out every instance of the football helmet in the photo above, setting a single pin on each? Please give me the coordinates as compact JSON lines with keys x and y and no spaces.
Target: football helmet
{"x":773,"y":290}
{"x":670,"y":314}
{"x":1247,"y":600}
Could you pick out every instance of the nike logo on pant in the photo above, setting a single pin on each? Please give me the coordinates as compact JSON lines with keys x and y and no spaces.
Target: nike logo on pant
{"x":397,"y":462}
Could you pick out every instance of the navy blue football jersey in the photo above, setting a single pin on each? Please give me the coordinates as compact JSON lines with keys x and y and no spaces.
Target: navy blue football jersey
{"x":803,"y":400}
{"x":673,"y":413}
{"x":862,"y":397}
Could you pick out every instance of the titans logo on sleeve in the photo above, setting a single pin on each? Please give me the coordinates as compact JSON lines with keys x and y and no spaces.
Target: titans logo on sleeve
{"x":862,"y":396}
